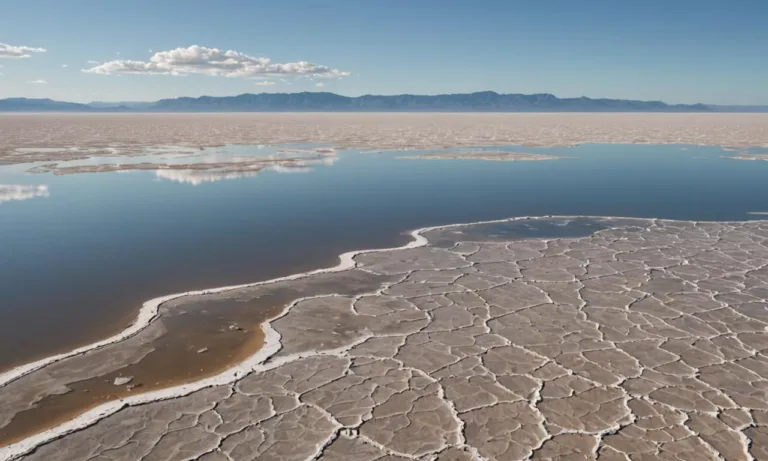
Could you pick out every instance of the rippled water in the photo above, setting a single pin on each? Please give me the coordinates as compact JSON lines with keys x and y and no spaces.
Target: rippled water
{"x":81,"y":252}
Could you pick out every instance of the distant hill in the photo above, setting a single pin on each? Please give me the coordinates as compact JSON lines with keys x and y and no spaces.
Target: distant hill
{"x":485,"y":101}
{"x":43,"y":105}
{"x":132,"y":105}
{"x":739,"y":108}
{"x":49,"y":105}
{"x":482,"y":101}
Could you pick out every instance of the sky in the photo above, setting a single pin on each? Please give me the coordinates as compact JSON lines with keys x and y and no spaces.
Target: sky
{"x":678,"y":51}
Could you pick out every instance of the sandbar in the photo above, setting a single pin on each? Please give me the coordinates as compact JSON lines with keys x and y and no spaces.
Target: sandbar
{"x":285,"y":159}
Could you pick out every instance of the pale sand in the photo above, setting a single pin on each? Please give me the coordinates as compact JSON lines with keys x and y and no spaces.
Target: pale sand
{"x":106,"y":134}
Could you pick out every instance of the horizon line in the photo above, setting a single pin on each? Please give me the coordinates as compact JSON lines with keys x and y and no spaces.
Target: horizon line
{"x":117,"y":103}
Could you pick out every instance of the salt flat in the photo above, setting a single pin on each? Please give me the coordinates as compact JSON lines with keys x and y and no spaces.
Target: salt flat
{"x":539,"y":338}
{"x":623,"y":339}
{"x":107,"y":134}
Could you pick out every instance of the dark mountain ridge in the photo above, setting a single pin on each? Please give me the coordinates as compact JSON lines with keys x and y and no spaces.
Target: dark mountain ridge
{"x":484,"y":101}
{"x":50,"y":105}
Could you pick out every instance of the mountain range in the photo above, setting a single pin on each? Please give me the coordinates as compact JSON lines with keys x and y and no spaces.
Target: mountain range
{"x":485,"y":101}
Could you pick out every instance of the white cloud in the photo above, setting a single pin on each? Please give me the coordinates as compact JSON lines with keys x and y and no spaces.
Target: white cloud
{"x":39,"y":81}
{"x":94,"y":63}
{"x":64,"y":66}
{"x":214,"y":62}
{"x":10,"y":51}
{"x":264,"y":83}
{"x":9,"y":192}
{"x":320,"y":84}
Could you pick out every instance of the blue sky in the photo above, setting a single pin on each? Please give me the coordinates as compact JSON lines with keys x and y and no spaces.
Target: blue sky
{"x":711,"y":51}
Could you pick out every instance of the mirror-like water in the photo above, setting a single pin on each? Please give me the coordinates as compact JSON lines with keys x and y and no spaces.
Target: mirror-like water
{"x":81,"y":252}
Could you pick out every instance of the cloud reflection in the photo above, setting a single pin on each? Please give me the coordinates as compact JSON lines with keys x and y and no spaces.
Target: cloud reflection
{"x":197,"y":177}
{"x":11,"y":192}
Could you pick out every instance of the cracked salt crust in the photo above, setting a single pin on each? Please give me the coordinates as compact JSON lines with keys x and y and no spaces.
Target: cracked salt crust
{"x":637,"y":342}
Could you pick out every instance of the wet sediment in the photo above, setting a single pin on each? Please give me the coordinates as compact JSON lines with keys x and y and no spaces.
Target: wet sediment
{"x":194,"y":337}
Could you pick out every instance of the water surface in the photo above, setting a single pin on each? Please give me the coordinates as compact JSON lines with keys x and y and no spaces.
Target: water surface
{"x":79,"y":259}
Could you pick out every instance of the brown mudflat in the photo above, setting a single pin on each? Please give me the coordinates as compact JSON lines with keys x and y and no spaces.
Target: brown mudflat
{"x":195,"y":346}
{"x":195,"y":337}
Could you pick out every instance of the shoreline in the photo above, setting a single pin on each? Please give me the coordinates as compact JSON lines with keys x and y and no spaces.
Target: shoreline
{"x":147,"y":313}
{"x":257,"y":362}
{"x":75,"y":342}
{"x":738,"y":149}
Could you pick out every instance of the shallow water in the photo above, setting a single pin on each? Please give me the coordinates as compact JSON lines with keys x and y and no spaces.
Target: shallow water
{"x":78,"y":261}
